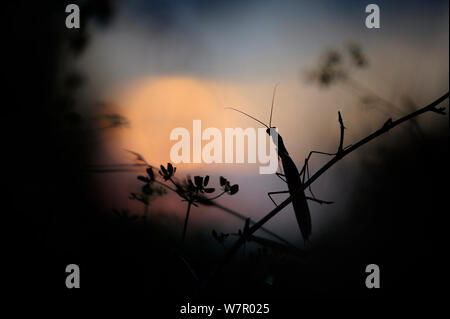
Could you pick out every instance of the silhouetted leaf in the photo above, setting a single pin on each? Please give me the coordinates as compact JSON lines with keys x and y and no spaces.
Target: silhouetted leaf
{"x":206,"y":181}
{"x":146,"y":189}
{"x":330,"y":69}
{"x":143,"y":179}
{"x":150,"y":173}
{"x":166,"y":173}
{"x":191,"y":186}
{"x":133,"y":196}
{"x":357,"y":56}
{"x":223,"y":180}
{"x":234,"y":189}
{"x":209,"y":190}
{"x":113,"y":120}
{"x":198,"y":181}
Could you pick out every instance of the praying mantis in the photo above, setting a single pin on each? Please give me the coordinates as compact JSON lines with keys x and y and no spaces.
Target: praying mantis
{"x":291,"y":176}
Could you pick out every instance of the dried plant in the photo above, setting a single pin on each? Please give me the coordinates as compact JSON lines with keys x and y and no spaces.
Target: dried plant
{"x":190,"y":191}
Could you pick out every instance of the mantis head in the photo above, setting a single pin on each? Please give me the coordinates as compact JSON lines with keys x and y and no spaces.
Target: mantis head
{"x":271,"y":130}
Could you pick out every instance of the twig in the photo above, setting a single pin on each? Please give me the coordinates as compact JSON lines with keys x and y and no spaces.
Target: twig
{"x":189,"y":267}
{"x":186,"y":222}
{"x":215,"y":197}
{"x":341,"y":139}
{"x":318,"y":200}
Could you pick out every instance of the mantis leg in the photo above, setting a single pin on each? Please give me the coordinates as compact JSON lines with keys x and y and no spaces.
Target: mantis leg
{"x":272,"y":193}
{"x":302,"y":172}
{"x":305,"y":169}
{"x":281,"y":177}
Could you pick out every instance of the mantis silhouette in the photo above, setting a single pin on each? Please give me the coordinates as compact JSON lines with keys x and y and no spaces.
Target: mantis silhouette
{"x":292,"y":177}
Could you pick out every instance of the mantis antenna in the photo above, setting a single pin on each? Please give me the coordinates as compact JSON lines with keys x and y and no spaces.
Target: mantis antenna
{"x":273,"y":99}
{"x":254,"y":118}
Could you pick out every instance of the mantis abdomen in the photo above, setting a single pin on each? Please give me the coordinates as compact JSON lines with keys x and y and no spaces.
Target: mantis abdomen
{"x":294,"y":182}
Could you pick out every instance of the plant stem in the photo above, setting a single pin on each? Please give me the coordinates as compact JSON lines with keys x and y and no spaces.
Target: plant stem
{"x":215,"y":197}
{"x":145,"y":212}
{"x":186,"y":222}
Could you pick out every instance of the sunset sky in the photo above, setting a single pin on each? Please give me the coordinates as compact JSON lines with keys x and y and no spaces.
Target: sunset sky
{"x":162,"y":66}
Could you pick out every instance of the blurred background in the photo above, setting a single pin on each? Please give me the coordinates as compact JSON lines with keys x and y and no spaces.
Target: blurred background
{"x":135,"y":70}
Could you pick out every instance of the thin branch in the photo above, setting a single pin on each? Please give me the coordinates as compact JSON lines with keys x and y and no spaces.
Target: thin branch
{"x":385,"y":128}
{"x":215,"y":197}
{"x":189,"y":267}
{"x":165,"y":185}
{"x":341,"y":139}
{"x":318,"y":200}
{"x":186,"y":222}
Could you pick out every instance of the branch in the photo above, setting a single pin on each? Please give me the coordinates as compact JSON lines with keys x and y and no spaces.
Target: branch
{"x":318,"y":200}
{"x":341,"y":139}
{"x":215,"y":197}
{"x":386,"y":127}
